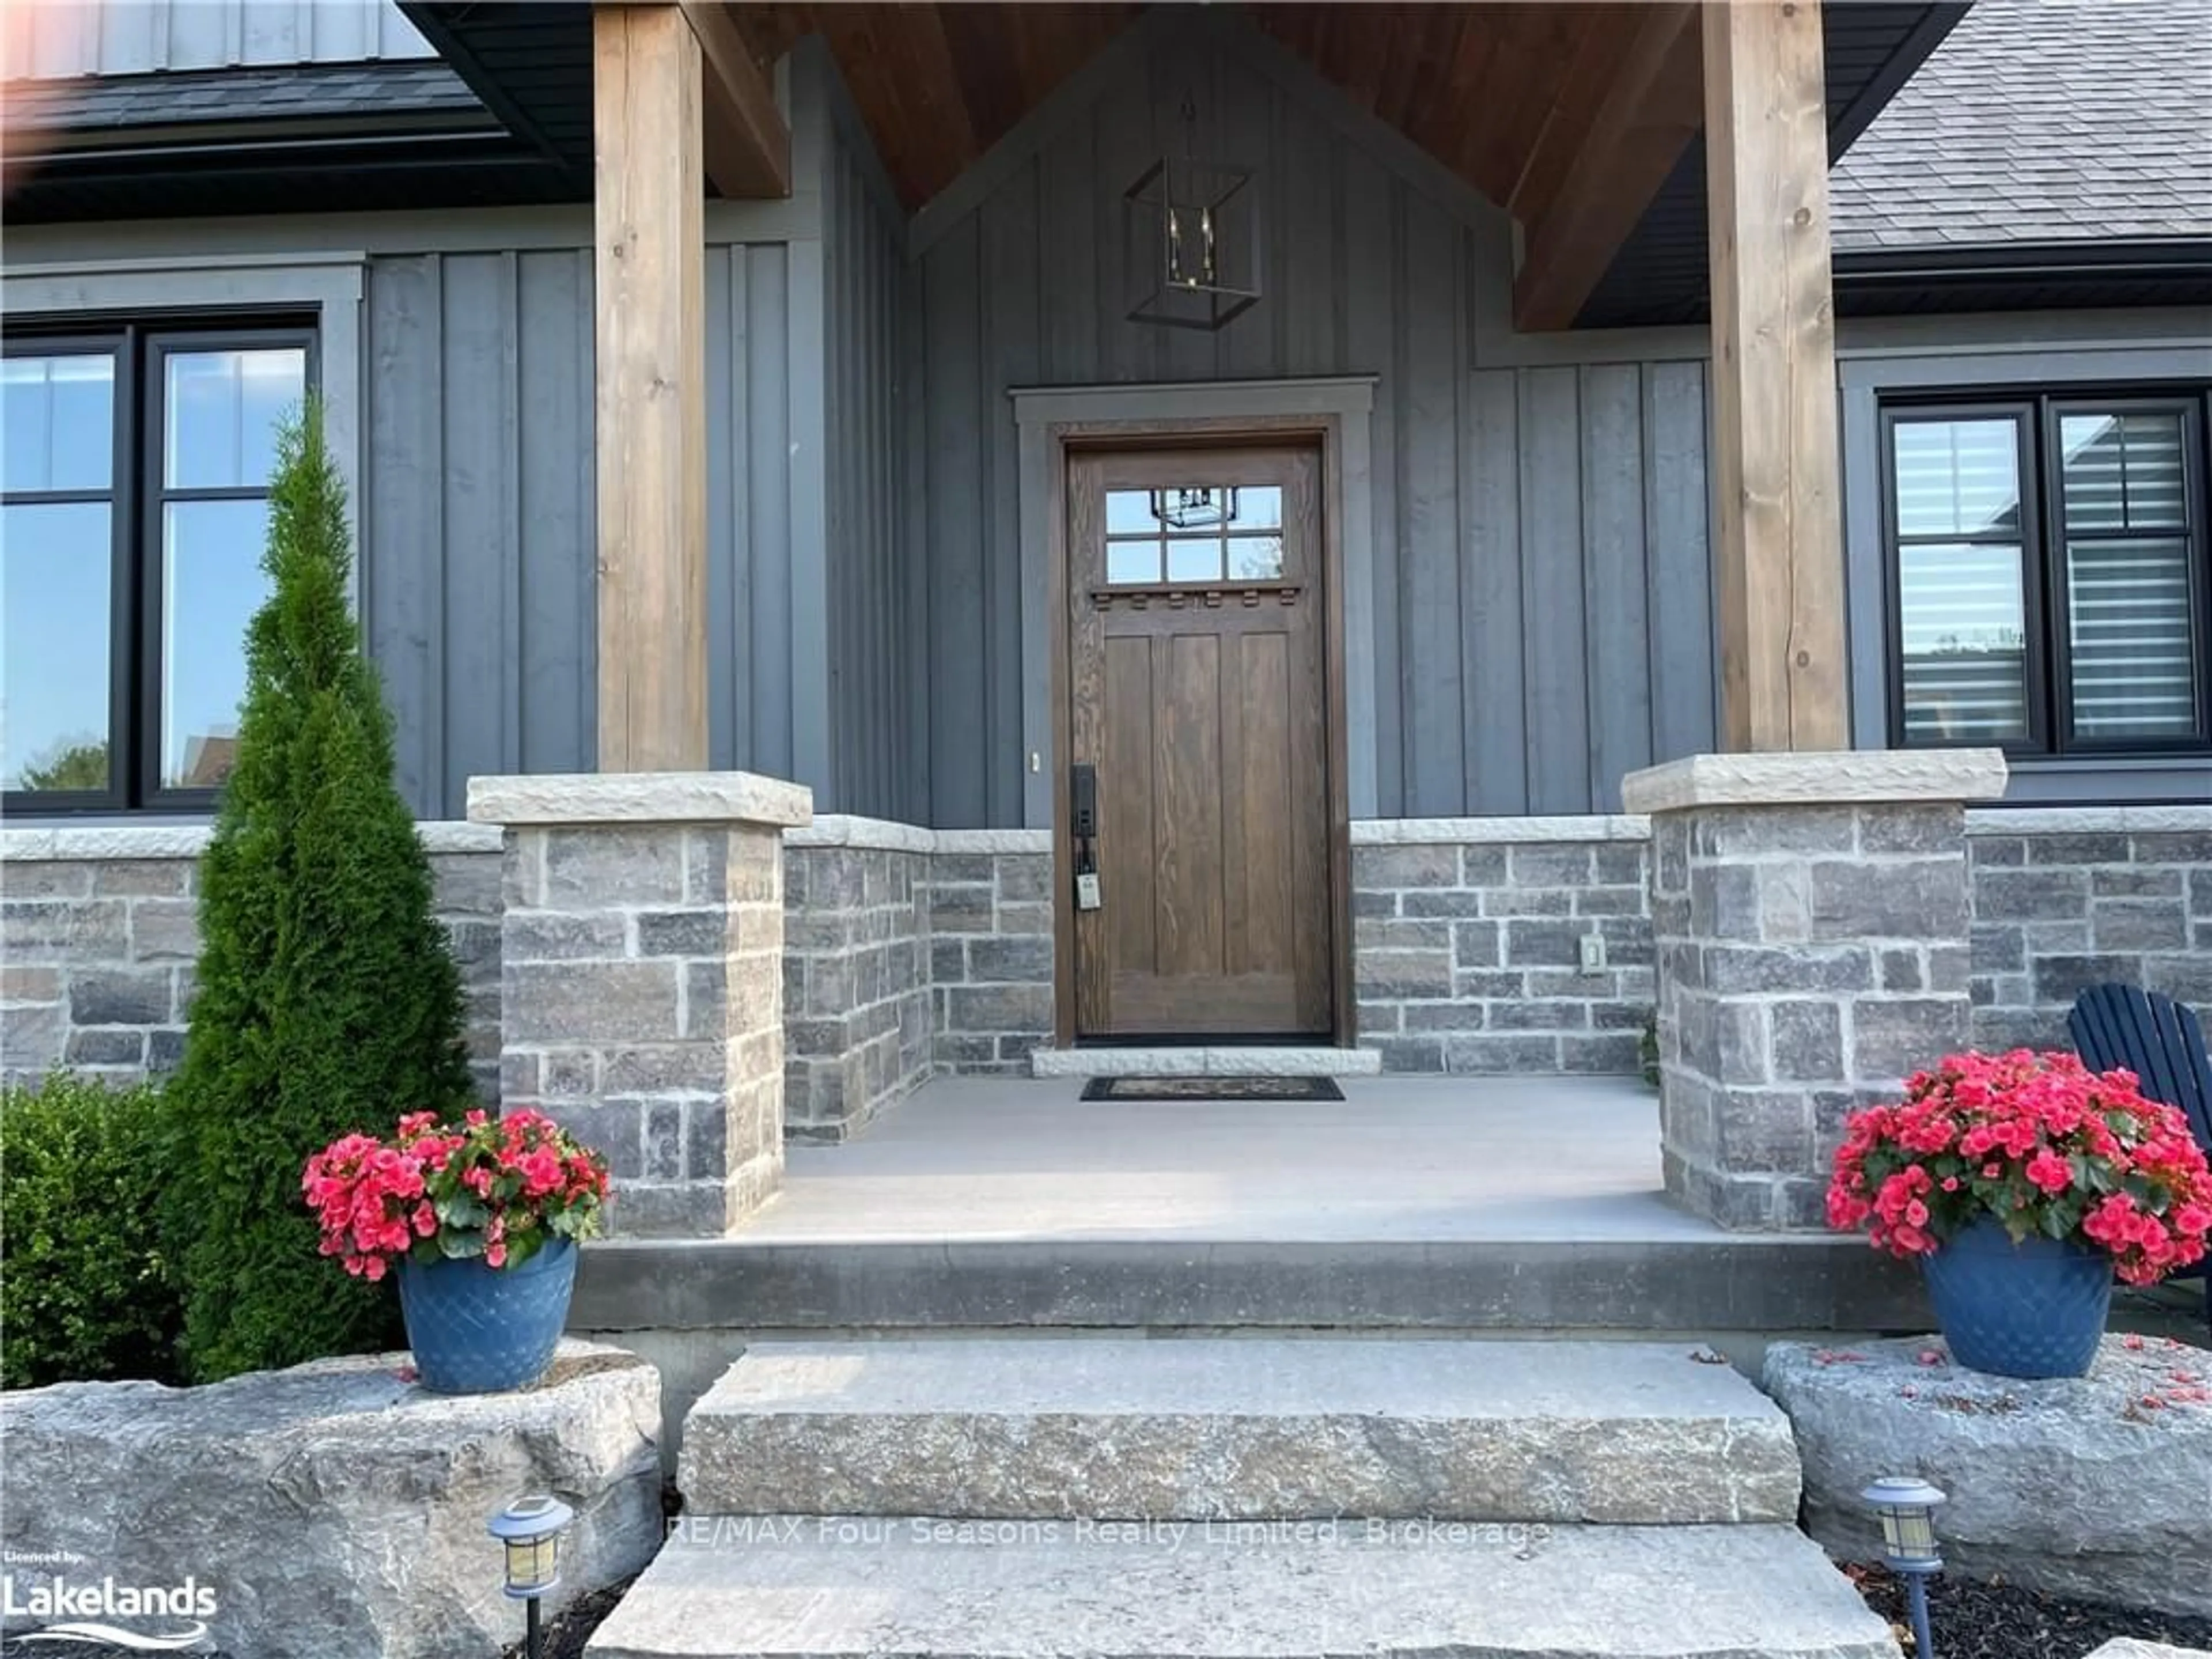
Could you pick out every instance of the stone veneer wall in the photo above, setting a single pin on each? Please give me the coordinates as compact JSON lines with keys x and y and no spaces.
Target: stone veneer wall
{"x":1465,"y":945}
{"x":642,"y":980}
{"x":99,"y":935}
{"x":991,"y":948}
{"x":2067,"y":897}
{"x":859,"y":1019}
{"x":1467,"y":936}
{"x":1810,"y":958}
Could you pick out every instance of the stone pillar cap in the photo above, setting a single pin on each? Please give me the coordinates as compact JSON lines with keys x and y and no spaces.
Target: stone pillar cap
{"x":1838,"y":778}
{"x":640,"y":798}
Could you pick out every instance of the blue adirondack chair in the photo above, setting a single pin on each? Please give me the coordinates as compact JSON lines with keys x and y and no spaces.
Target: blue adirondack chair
{"x":2162,"y":1043}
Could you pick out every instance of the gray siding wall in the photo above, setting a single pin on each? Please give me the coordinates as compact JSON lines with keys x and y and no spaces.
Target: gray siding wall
{"x":478,"y":524}
{"x":1534,"y":530}
{"x":137,"y":36}
{"x":477,"y":574}
{"x":871,"y":648}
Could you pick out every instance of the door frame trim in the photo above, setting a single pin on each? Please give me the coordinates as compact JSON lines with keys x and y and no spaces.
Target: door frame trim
{"x":1331,"y":414}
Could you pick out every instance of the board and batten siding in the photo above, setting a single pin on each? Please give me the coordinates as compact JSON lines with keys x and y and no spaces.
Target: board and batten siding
{"x":478,"y":578}
{"x":1542,"y":587}
{"x":871,"y":647}
{"x":141,"y":37}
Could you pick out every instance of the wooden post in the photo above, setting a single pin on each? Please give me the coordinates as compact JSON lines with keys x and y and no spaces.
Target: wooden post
{"x":649,"y":227}
{"x":1782,"y":668}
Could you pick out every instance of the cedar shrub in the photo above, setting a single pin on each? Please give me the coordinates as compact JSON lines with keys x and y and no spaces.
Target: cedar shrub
{"x":328,"y":1003}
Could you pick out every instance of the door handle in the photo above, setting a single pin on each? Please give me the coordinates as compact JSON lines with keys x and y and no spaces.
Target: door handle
{"x":1083,"y":802}
{"x":1083,"y":828}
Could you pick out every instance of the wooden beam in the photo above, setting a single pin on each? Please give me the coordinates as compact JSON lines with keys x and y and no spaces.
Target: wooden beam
{"x":1621,"y":155}
{"x":1607,"y":40}
{"x":649,"y":234}
{"x":1775,"y":458}
{"x":748,"y":142}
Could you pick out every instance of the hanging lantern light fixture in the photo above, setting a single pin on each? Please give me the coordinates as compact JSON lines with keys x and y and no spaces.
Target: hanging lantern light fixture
{"x":1193,"y":234}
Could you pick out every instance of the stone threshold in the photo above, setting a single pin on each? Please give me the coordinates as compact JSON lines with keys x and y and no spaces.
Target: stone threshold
{"x":1453,"y":832}
{"x":1224,"y":1060}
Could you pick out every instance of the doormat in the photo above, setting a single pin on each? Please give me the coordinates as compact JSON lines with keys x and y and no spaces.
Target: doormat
{"x":1211,"y":1088}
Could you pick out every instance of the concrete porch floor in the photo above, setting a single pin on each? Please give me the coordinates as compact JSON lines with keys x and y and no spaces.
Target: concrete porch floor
{"x":1440,"y":1204}
{"x":1398,"y":1159}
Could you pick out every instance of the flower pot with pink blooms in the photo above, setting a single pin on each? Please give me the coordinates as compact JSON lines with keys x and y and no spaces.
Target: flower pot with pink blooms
{"x":2023,"y":1183}
{"x":479,"y":1222}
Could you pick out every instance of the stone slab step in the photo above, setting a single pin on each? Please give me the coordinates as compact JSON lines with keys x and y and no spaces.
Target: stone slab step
{"x":1220,"y":1428}
{"x":1256,"y":1060}
{"x":844,"y":1587}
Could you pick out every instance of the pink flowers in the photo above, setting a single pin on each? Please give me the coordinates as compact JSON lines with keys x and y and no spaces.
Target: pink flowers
{"x":499,"y":1189}
{"x":2037,"y":1141}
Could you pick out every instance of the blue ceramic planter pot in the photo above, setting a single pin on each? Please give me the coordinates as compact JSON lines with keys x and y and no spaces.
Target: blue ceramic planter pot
{"x":2031,"y":1310}
{"x":477,"y":1329}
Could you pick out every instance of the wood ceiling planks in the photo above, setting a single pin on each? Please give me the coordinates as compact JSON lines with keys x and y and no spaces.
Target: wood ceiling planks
{"x":1502,"y":92}
{"x":1477,"y":86}
{"x":939,"y":84}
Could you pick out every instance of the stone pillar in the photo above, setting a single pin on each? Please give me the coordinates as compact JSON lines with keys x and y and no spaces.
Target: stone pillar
{"x":642,"y":980}
{"x":1809,"y":913}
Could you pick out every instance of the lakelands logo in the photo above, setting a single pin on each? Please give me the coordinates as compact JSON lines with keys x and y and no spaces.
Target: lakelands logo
{"x":82,"y":1613}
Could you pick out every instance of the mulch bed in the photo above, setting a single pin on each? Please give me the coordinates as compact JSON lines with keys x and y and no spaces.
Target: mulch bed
{"x":565,"y":1635}
{"x":1975,"y":1618}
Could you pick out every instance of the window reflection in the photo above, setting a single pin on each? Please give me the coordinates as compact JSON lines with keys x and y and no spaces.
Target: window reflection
{"x":211,"y":585}
{"x":223,"y":409}
{"x":57,"y":415}
{"x":55,"y":621}
{"x":1194,"y":534}
{"x":1194,"y":561}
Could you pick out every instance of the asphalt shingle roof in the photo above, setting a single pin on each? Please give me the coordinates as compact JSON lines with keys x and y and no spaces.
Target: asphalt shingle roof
{"x":122,"y":102}
{"x":2040,"y":121}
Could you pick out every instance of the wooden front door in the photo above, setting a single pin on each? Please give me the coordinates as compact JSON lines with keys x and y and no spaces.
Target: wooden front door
{"x":1196,"y":674}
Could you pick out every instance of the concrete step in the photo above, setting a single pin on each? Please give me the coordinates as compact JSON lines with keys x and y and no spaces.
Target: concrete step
{"x":1239,"y":1428}
{"x":1042,"y":1279}
{"x":1213,"y":1059}
{"x":844,"y":1587}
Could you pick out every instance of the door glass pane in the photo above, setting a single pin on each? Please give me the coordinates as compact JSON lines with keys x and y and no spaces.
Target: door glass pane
{"x":2123,"y":471}
{"x":59,"y":418}
{"x":221,"y":414}
{"x":2134,"y":656}
{"x":1259,"y":507}
{"x":1197,"y":506}
{"x":1964,"y":631}
{"x":1957,"y":478}
{"x":211,"y":585}
{"x":1133,"y":562}
{"x":55,"y":561}
{"x":1194,"y":561}
{"x":1129,"y":511}
{"x":1255,"y":558}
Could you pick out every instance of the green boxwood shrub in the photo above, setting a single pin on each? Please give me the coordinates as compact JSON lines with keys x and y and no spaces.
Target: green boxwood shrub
{"x":86,"y":1291}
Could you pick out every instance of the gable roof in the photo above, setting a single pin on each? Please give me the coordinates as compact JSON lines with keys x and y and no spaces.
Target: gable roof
{"x":2041,"y":121}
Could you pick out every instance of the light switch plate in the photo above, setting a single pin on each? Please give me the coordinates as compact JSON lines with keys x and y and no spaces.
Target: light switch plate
{"x":1086,"y":890}
{"x":1593,"y":952}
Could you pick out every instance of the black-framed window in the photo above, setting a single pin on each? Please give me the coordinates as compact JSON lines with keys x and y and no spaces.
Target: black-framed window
{"x":134,"y":480}
{"x":2051,"y":572}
